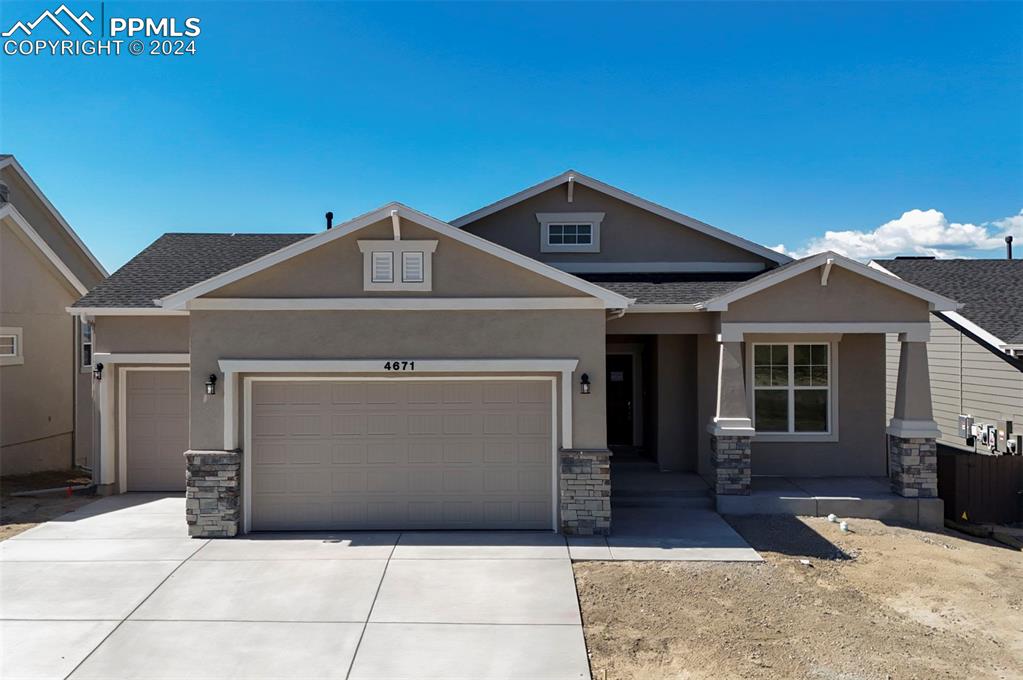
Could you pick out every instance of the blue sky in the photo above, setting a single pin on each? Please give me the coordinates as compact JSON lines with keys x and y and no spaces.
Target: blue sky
{"x":776,"y":121}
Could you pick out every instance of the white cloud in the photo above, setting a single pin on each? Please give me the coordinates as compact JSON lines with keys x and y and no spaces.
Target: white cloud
{"x":917,"y":232}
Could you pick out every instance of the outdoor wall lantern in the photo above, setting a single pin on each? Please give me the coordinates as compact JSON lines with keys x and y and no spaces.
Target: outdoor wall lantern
{"x":584,"y":384}
{"x":211,"y":385}
{"x":97,"y":372}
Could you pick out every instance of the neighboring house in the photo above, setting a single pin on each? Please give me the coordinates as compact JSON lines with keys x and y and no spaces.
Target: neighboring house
{"x":47,"y":414}
{"x":975,"y":354}
{"x":398,"y":371}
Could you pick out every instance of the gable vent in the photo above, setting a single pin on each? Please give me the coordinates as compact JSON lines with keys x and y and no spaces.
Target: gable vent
{"x":383,"y":267}
{"x":412,"y":267}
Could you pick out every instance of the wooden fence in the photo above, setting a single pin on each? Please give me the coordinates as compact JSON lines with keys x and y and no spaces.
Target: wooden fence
{"x":986,"y":488}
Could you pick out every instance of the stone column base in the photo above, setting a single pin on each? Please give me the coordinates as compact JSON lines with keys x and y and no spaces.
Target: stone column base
{"x":585,"y":491}
{"x":732,"y":464}
{"x":212,"y":493}
{"x":913,"y":466}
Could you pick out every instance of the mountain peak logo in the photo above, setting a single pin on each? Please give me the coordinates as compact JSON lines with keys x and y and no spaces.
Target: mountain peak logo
{"x":77,"y":20}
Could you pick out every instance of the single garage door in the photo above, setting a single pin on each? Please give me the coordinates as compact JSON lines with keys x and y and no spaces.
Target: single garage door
{"x":401,"y":454}
{"x":156,"y":430}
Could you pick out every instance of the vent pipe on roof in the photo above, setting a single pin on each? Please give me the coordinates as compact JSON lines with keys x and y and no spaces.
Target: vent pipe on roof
{"x":1008,"y":247}
{"x":330,"y":219}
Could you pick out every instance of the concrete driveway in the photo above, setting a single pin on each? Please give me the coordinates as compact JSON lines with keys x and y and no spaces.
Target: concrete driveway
{"x":118,"y":590}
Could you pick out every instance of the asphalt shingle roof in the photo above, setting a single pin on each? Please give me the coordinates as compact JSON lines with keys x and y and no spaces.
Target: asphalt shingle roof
{"x":176,"y":261}
{"x":655,"y":289}
{"x":991,"y":290}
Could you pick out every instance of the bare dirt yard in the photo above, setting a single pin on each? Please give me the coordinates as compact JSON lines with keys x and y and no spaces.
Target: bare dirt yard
{"x":880,"y":602}
{"x":20,"y":513}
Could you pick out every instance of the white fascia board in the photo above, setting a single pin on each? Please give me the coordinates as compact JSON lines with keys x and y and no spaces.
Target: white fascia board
{"x":914,"y":331}
{"x":377,"y":366}
{"x":177,"y":300}
{"x":12,"y":162}
{"x":393,"y":304}
{"x":989,"y":338}
{"x":124,"y":311}
{"x":659,"y":267}
{"x":614,"y":192}
{"x":936,"y":302}
{"x":141,"y":358}
{"x":663,"y":308}
{"x":10,"y":215}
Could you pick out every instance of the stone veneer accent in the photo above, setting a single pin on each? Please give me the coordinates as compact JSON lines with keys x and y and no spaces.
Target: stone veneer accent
{"x":732,"y":464}
{"x":585,"y":491}
{"x":914,"y":466}
{"x":212,"y":493}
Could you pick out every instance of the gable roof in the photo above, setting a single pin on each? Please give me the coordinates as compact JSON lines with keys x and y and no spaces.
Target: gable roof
{"x":179,"y":298}
{"x":9,"y":215}
{"x":7,"y":160}
{"x":991,"y":291}
{"x":615,"y":192}
{"x":796,"y":267}
{"x":668,"y":289}
{"x":176,"y":261}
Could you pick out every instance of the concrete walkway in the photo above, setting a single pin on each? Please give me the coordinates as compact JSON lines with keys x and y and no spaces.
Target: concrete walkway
{"x":118,"y":590}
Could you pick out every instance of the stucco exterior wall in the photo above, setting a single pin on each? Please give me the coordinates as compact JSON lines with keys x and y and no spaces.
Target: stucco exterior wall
{"x":36,"y":397}
{"x":335,"y":269}
{"x":674,"y":402}
{"x":673,"y":323}
{"x":848,"y":297}
{"x":399,"y":335}
{"x":49,"y":229}
{"x":627,"y":234}
{"x":131,"y":334}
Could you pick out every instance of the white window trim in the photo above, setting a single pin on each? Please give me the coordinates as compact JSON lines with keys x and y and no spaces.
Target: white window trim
{"x":18,"y":357}
{"x":547,"y":219}
{"x":82,"y":366}
{"x":397,"y":249}
{"x":831,"y":435}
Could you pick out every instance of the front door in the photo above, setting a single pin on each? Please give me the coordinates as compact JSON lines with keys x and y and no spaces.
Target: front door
{"x":619,"y":400}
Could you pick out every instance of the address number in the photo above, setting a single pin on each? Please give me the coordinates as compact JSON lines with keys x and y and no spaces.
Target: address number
{"x":400,"y":366}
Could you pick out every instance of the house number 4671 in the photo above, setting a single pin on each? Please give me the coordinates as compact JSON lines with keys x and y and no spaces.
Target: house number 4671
{"x":400,"y":366}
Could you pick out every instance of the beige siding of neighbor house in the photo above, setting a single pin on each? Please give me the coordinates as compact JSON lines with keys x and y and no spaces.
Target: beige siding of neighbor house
{"x":507,"y":334}
{"x":627,"y":234}
{"x":966,"y":378}
{"x":37,"y":398}
{"x":335,"y":270}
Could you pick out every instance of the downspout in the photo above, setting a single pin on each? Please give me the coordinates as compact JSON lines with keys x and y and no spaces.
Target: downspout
{"x":74,"y":389}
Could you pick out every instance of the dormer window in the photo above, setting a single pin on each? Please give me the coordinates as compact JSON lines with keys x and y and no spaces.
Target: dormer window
{"x":570,"y":232}
{"x":397,"y":265}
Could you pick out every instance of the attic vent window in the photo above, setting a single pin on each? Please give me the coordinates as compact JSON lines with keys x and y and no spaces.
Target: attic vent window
{"x":397,"y":265}
{"x":570,"y":232}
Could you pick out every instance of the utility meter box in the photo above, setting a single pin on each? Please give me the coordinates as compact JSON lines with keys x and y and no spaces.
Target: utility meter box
{"x":965,"y":426}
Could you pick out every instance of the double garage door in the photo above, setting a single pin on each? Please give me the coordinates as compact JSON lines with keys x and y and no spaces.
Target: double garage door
{"x":401,"y":454}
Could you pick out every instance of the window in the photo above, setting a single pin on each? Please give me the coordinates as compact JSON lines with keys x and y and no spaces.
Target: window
{"x":412,"y":263}
{"x":11,"y":351}
{"x":570,"y":232}
{"x":85,"y":330}
{"x":381,"y":260}
{"x":383,"y":267}
{"x":792,"y":388}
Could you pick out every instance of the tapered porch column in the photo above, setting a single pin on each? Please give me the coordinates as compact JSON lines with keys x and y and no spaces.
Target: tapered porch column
{"x":731,"y":428}
{"x":913,"y":456}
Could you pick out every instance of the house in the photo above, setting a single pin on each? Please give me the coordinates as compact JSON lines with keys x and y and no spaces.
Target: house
{"x":47,"y":414}
{"x":975,"y":354}
{"x":398,"y":371}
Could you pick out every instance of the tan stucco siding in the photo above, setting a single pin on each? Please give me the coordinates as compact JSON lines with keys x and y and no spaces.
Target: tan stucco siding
{"x":860,"y":449}
{"x":335,"y":269}
{"x":141,"y":334}
{"x":49,"y":229}
{"x":667,"y":324}
{"x":848,"y":297}
{"x":575,"y":334}
{"x":627,"y":234}
{"x":36,"y":397}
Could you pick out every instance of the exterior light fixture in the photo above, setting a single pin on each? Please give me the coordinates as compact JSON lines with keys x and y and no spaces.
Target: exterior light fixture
{"x":211,"y":385}
{"x":584,"y":384}
{"x":97,"y":372}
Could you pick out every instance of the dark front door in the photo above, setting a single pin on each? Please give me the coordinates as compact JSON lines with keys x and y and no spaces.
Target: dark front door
{"x":619,"y":400}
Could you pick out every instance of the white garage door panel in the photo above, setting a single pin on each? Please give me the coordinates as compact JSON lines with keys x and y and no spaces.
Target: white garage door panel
{"x":156,"y":430}
{"x":401,"y":455}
